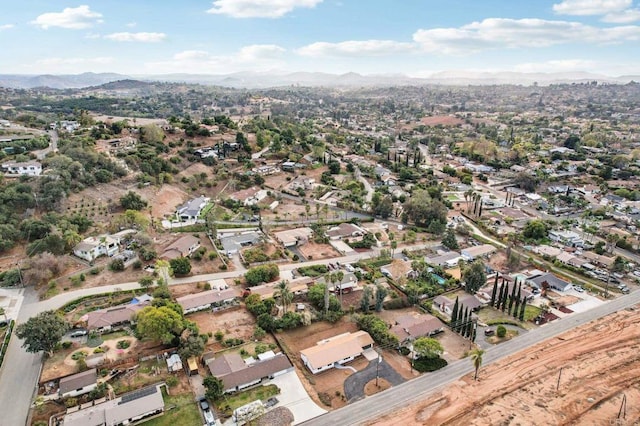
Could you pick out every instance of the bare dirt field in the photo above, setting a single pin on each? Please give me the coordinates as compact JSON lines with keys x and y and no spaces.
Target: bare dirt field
{"x":316,"y":251}
{"x":600,"y":365}
{"x":234,"y":322}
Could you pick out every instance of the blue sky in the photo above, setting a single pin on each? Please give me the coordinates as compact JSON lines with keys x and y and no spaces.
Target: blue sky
{"x":413,"y":37}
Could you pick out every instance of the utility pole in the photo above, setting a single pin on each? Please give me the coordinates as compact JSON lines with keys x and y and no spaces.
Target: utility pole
{"x":378,"y":368}
{"x":559,"y":376}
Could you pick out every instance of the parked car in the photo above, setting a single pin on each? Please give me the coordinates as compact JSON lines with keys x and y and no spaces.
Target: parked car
{"x":204,"y":405}
{"x":271,"y":402}
{"x":489,"y":332}
{"x":79,"y":333}
{"x":578,"y":288}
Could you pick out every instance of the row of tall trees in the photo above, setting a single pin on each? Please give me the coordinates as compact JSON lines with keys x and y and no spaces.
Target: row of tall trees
{"x":513,"y":303}
{"x":462,"y":320}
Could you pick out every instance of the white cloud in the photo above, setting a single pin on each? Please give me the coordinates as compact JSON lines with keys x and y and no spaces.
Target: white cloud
{"x":625,"y":17}
{"x":137,"y":37}
{"x":259,"y":8}
{"x":75,"y":18}
{"x":6,"y":27}
{"x":563,"y":65}
{"x":518,"y":33}
{"x":357,"y":48}
{"x":590,"y":7}
{"x":260,"y":51}
{"x":260,"y":57}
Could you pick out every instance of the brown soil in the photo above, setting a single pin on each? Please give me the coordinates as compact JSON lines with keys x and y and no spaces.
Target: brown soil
{"x":316,"y":251}
{"x":371,"y":388}
{"x":599,"y":364}
{"x":235,"y":322}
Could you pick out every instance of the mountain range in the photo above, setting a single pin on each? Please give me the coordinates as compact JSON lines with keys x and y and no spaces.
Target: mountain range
{"x":254,"y":80}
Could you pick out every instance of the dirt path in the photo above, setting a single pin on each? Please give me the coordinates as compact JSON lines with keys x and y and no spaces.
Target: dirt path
{"x":600,"y":363}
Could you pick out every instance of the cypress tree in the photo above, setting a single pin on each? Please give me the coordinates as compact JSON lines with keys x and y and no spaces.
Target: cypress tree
{"x":454,"y":315}
{"x":463,"y":325}
{"x":504,"y":298}
{"x":470,"y":325}
{"x":516,"y":308}
{"x":512,"y":298}
{"x":494,"y":291}
{"x":499,"y":300}
{"x":522,"y":308}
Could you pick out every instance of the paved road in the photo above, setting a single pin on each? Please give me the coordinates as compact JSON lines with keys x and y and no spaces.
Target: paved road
{"x":418,"y":389}
{"x":21,"y":370}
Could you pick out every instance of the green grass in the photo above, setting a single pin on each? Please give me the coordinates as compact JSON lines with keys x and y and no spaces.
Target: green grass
{"x":184,"y":413}
{"x":231,"y":402}
{"x":530,"y":312}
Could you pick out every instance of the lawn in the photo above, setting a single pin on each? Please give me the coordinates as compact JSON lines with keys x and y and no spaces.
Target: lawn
{"x":185,"y":411}
{"x":228,"y":403}
{"x":492,"y":316}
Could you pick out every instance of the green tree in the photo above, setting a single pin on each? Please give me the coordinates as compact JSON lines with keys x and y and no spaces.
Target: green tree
{"x":151,"y":133}
{"x":132,"y":201}
{"x":365,"y":301}
{"x":449,"y":240}
{"x":425,"y":211}
{"x":42,"y":332}
{"x":262,"y":274}
{"x":214,"y":387}
{"x":146,"y":282}
{"x":159,"y":323}
{"x":180,"y":265}
{"x":476,"y":359}
{"x":283,"y":292}
{"x":334,"y":167}
{"x":501,"y":331}
{"x":535,"y":230}
{"x":191,"y":344}
{"x":426,"y":347}
{"x":474,"y":277}
{"x":381,"y":293}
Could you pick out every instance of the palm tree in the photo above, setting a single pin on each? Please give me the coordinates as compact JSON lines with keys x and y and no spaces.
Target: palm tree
{"x":283,"y":292}
{"x":476,"y":358}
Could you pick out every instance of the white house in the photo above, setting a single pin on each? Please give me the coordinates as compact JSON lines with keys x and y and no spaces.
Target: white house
{"x":568,"y":238}
{"x":339,"y":349}
{"x":93,"y":247}
{"x":28,"y":168}
{"x":206,"y":300}
{"x":174,"y":363}
{"x":191,"y":209}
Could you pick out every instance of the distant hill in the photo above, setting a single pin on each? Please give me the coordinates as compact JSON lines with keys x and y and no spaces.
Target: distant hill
{"x":112,"y":81}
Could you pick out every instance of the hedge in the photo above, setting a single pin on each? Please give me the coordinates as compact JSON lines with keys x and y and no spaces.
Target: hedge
{"x":428,"y":364}
{"x":5,"y":341}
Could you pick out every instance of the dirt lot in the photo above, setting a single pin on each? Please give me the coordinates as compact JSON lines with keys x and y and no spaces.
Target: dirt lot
{"x":316,"y":251}
{"x":235,"y":322}
{"x":599,"y":364}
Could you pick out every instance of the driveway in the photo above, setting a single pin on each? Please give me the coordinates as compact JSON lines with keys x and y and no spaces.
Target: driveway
{"x":355,"y":383}
{"x":197,"y":386}
{"x":294,"y":396}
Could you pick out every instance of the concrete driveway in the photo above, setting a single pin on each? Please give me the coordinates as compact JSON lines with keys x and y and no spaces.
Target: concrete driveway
{"x":294,"y":396}
{"x":355,"y":383}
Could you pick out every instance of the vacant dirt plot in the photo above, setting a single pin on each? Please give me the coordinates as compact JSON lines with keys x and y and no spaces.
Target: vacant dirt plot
{"x":316,"y":251}
{"x":234,"y":322}
{"x":599,"y":364}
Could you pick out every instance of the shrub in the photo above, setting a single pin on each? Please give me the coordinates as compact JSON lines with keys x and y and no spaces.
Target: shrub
{"x":429,"y":364}
{"x":171,"y":381}
{"x":397,"y":303}
{"x":123,"y":344}
{"x":259,"y":333}
{"x":404,"y":351}
{"x":137,"y":264}
{"x":207,"y":286}
{"x":70,"y":402}
{"x":223,"y":267}
{"x":233,"y":342}
{"x":219,"y":335}
{"x":98,"y":350}
{"x":501,"y":331}
{"x":117,"y":265}
{"x":78,"y":355}
{"x":66,"y":345}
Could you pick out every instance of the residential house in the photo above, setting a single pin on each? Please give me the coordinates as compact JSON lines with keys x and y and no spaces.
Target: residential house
{"x":547,"y":279}
{"x":184,"y":246}
{"x":571,"y":260}
{"x":293,"y":237}
{"x":209,"y":299}
{"x":91,"y":248}
{"x":302,"y":182}
{"x":348,"y":283}
{"x":298,"y":286}
{"x":567,"y":238}
{"x":444,"y":304}
{"x":112,"y":318}
{"x":27,"y":168}
{"x":289,"y":166}
{"x":475,"y":252}
{"x":339,"y":349}
{"x":78,"y":384}
{"x":345,"y":230}
{"x":448,"y":259}
{"x":237,"y":374}
{"x":598,"y":259}
{"x":191,"y":209}
{"x":410,"y":327}
{"x":232,"y":242}
{"x":127,"y":409}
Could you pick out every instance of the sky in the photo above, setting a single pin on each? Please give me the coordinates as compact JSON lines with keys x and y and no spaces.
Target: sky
{"x":412,"y":37}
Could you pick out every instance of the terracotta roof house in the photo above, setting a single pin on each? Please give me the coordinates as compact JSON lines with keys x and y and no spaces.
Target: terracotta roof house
{"x":127,"y":409}
{"x":206,"y":300}
{"x":78,"y":384}
{"x":410,"y":327}
{"x":111,"y":318}
{"x":182,"y":247}
{"x":237,"y":374}
{"x":298,"y":286}
{"x":339,"y":349}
